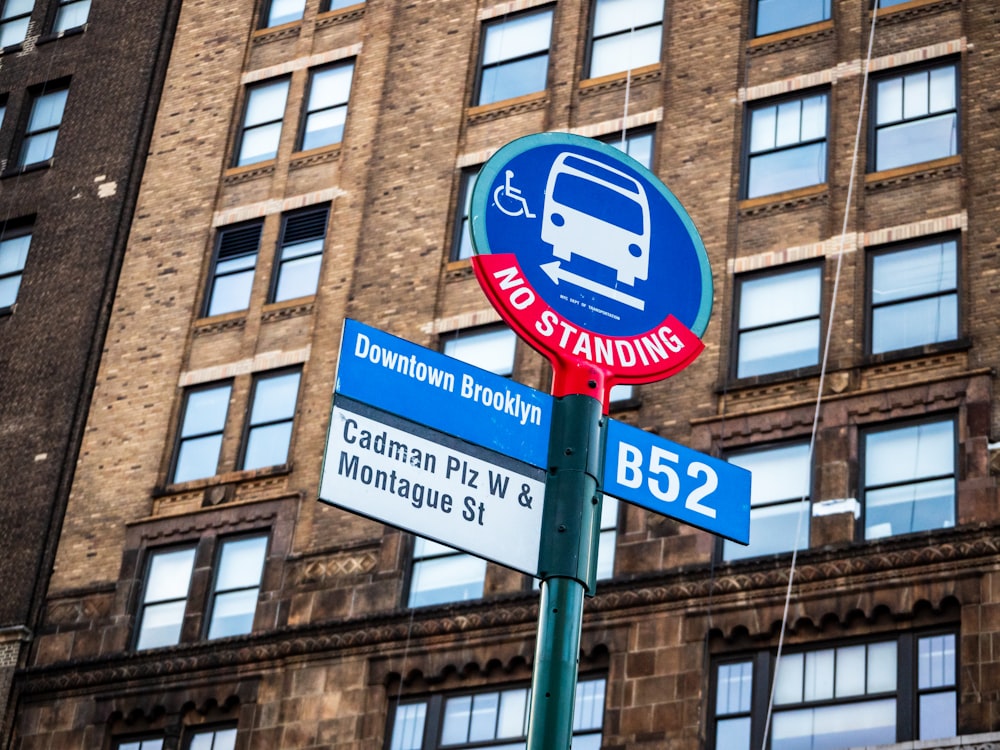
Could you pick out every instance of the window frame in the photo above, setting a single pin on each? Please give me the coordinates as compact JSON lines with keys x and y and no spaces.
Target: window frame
{"x":249,"y":426}
{"x":907,"y":692}
{"x":861,"y":528}
{"x":875,"y":127}
{"x":35,"y":95}
{"x":180,"y":438}
{"x":747,"y":155}
{"x":755,"y":18}
{"x":737,"y":331}
{"x":481,"y":67}
{"x":244,"y":128}
{"x":214,"y":591}
{"x":593,"y":39}
{"x":15,"y":229}
{"x":280,"y":260}
{"x":870,"y":306}
{"x":300,"y":136}
{"x":141,"y":605}
{"x":213,"y":276}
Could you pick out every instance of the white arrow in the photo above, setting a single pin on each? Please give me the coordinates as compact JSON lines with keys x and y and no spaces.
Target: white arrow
{"x":557,"y":273}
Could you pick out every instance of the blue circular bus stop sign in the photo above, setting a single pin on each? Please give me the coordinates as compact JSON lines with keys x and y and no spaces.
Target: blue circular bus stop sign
{"x":592,"y":260}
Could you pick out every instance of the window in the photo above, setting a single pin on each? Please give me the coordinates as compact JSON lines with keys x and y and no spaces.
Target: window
{"x":778,"y":15}
{"x":781,"y":480}
{"x":490,"y":348}
{"x":43,"y":126}
{"x":278,"y":12}
{"x":778,"y":325}
{"x":787,"y":145}
{"x":487,"y":720}
{"x":161,"y":615}
{"x":272,"y":411}
{"x":200,"y":440}
{"x":608,"y":538}
{"x":441,"y":574}
{"x":637,"y":143}
{"x":914,"y":295}
{"x":14,"y":244}
{"x":299,"y":254}
{"x":261,"y":131}
{"x":233,"y":268}
{"x":154,"y":743}
{"x":237,"y":586}
{"x":515,"y":56}
{"x":461,"y":245}
{"x":626,"y":35}
{"x":916,"y":117}
{"x":166,"y":599}
{"x":859,"y":694}
{"x":326,"y":108}
{"x":218,"y":739}
{"x":338,"y":4}
{"x":909,"y":478}
{"x":71,"y":14}
{"x":890,"y":3}
{"x":14,"y":18}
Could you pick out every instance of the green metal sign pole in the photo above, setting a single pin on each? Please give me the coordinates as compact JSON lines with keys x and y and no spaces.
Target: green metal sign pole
{"x":568,"y":565}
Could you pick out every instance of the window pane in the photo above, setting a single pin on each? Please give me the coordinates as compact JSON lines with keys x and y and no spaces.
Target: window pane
{"x":907,"y":453}
{"x":910,"y":273}
{"x":197,"y":458}
{"x":778,"y":348}
{"x":231,"y":293}
{"x":13,"y":8}
{"x":39,"y":148}
{"x":14,"y":253}
{"x":71,"y":15}
{"x":763,"y":123}
{"x":882,"y":667}
{"x":513,"y":79}
{"x":788,"y":682}
{"x":778,"y":15}
{"x":447,"y":579}
{"x":169,"y":575}
{"x":224,"y":739}
{"x":266,"y":103}
{"x":161,"y":625}
{"x":274,"y":398}
{"x":915,"y":94}
{"x":47,"y":111}
{"x":889,"y":94}
{"x":491,"y":350}
{"x":514,"y":712}
{"x":942,"y":89}
{"x":588,"y":712}
{"x":814,"y":118}
{"x":733,"y":734}
{"x":621,"y":15}
{"x":625,"y":51}
{"x":283,"y":11}
{"x":780,"y":473}
{"x":773,"y":530}
{"x":259,"y":144}
{"x":13,"y":32}
{"x":780,"y":297}
{"x":850,"y":671}
{"x":233,"y":613}
{"x":908,"y":324}
{"x":268,"y":445}
{"x":938,"y":715}
{"x":733,"y":690}
{"x":299,"y":278}
{"x":790,"y":169}
{"x":909,"y":508}
{"x":482,"y":722}
{"x":818,"y":684}
{"x":457,"y":713}
{"x":205,"y":411}
{"x":524,"y":35}
{"x":241,"y":563}
{"x":915,"y":142}
{"x":835,"y":727}
{"x":789,"y":124}
{"x":8,"y":290}
{"x":331,"y":87}
{"x":408,"y":728}
{"x":936,"y":661}
{"x":324,"y":128}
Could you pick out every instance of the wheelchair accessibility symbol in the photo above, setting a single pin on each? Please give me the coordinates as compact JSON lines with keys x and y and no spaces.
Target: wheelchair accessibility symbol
{"x":512,"y":195}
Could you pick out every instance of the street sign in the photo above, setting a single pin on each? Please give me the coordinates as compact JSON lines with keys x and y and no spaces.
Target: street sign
{"x":391,"y":470}
{"x":646,"y":470}
{"x":591,"y":259}
{"x":429,"y":388}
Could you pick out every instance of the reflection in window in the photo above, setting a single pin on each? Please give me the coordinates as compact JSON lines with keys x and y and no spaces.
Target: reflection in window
{"x":778,"y":322}
{"x":909,"y":479}
{"x":787,"y":145}
{"x":916,"y":117}
{"x":237,"y":585}
{"x":914,"y":297}
{"x":626,"y":35}
{"x":202,"y":425}
{"x":781,"y":479}
{"x":515,"y":58}
{"x":272,"y":412}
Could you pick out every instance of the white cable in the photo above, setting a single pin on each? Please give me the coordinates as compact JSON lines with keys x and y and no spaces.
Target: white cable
{"x":822,"y":371}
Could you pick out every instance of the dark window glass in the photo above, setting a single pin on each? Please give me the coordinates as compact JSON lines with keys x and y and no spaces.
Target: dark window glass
{"x":515,"y":56}
{"x":271,"y":414}
{"x":300,"y":254}
{"x":778,"y":322}
{"x":233,"y":270}
{"x":326,"y":108}
{"x":200,"y":440}
{"x":40,"y":136}
{"x":914,"y":296}
{"x":778,"y":15}
{"x":787,"y":145}
{"x":261,"y":130}
{"x":909,"y":478}
{"x":237,"y":585}
{"x":916,"y":117}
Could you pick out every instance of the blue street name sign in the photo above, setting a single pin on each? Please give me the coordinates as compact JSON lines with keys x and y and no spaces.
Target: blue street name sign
{"x":667,"y":478}
{"x":445,"y":394}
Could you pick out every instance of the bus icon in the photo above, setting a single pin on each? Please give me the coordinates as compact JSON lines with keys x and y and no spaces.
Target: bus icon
{"x":598,"y":212}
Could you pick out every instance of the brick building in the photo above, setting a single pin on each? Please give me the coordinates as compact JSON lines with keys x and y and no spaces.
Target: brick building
{"x":311,"y":162}
{"x":78,"y":89}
